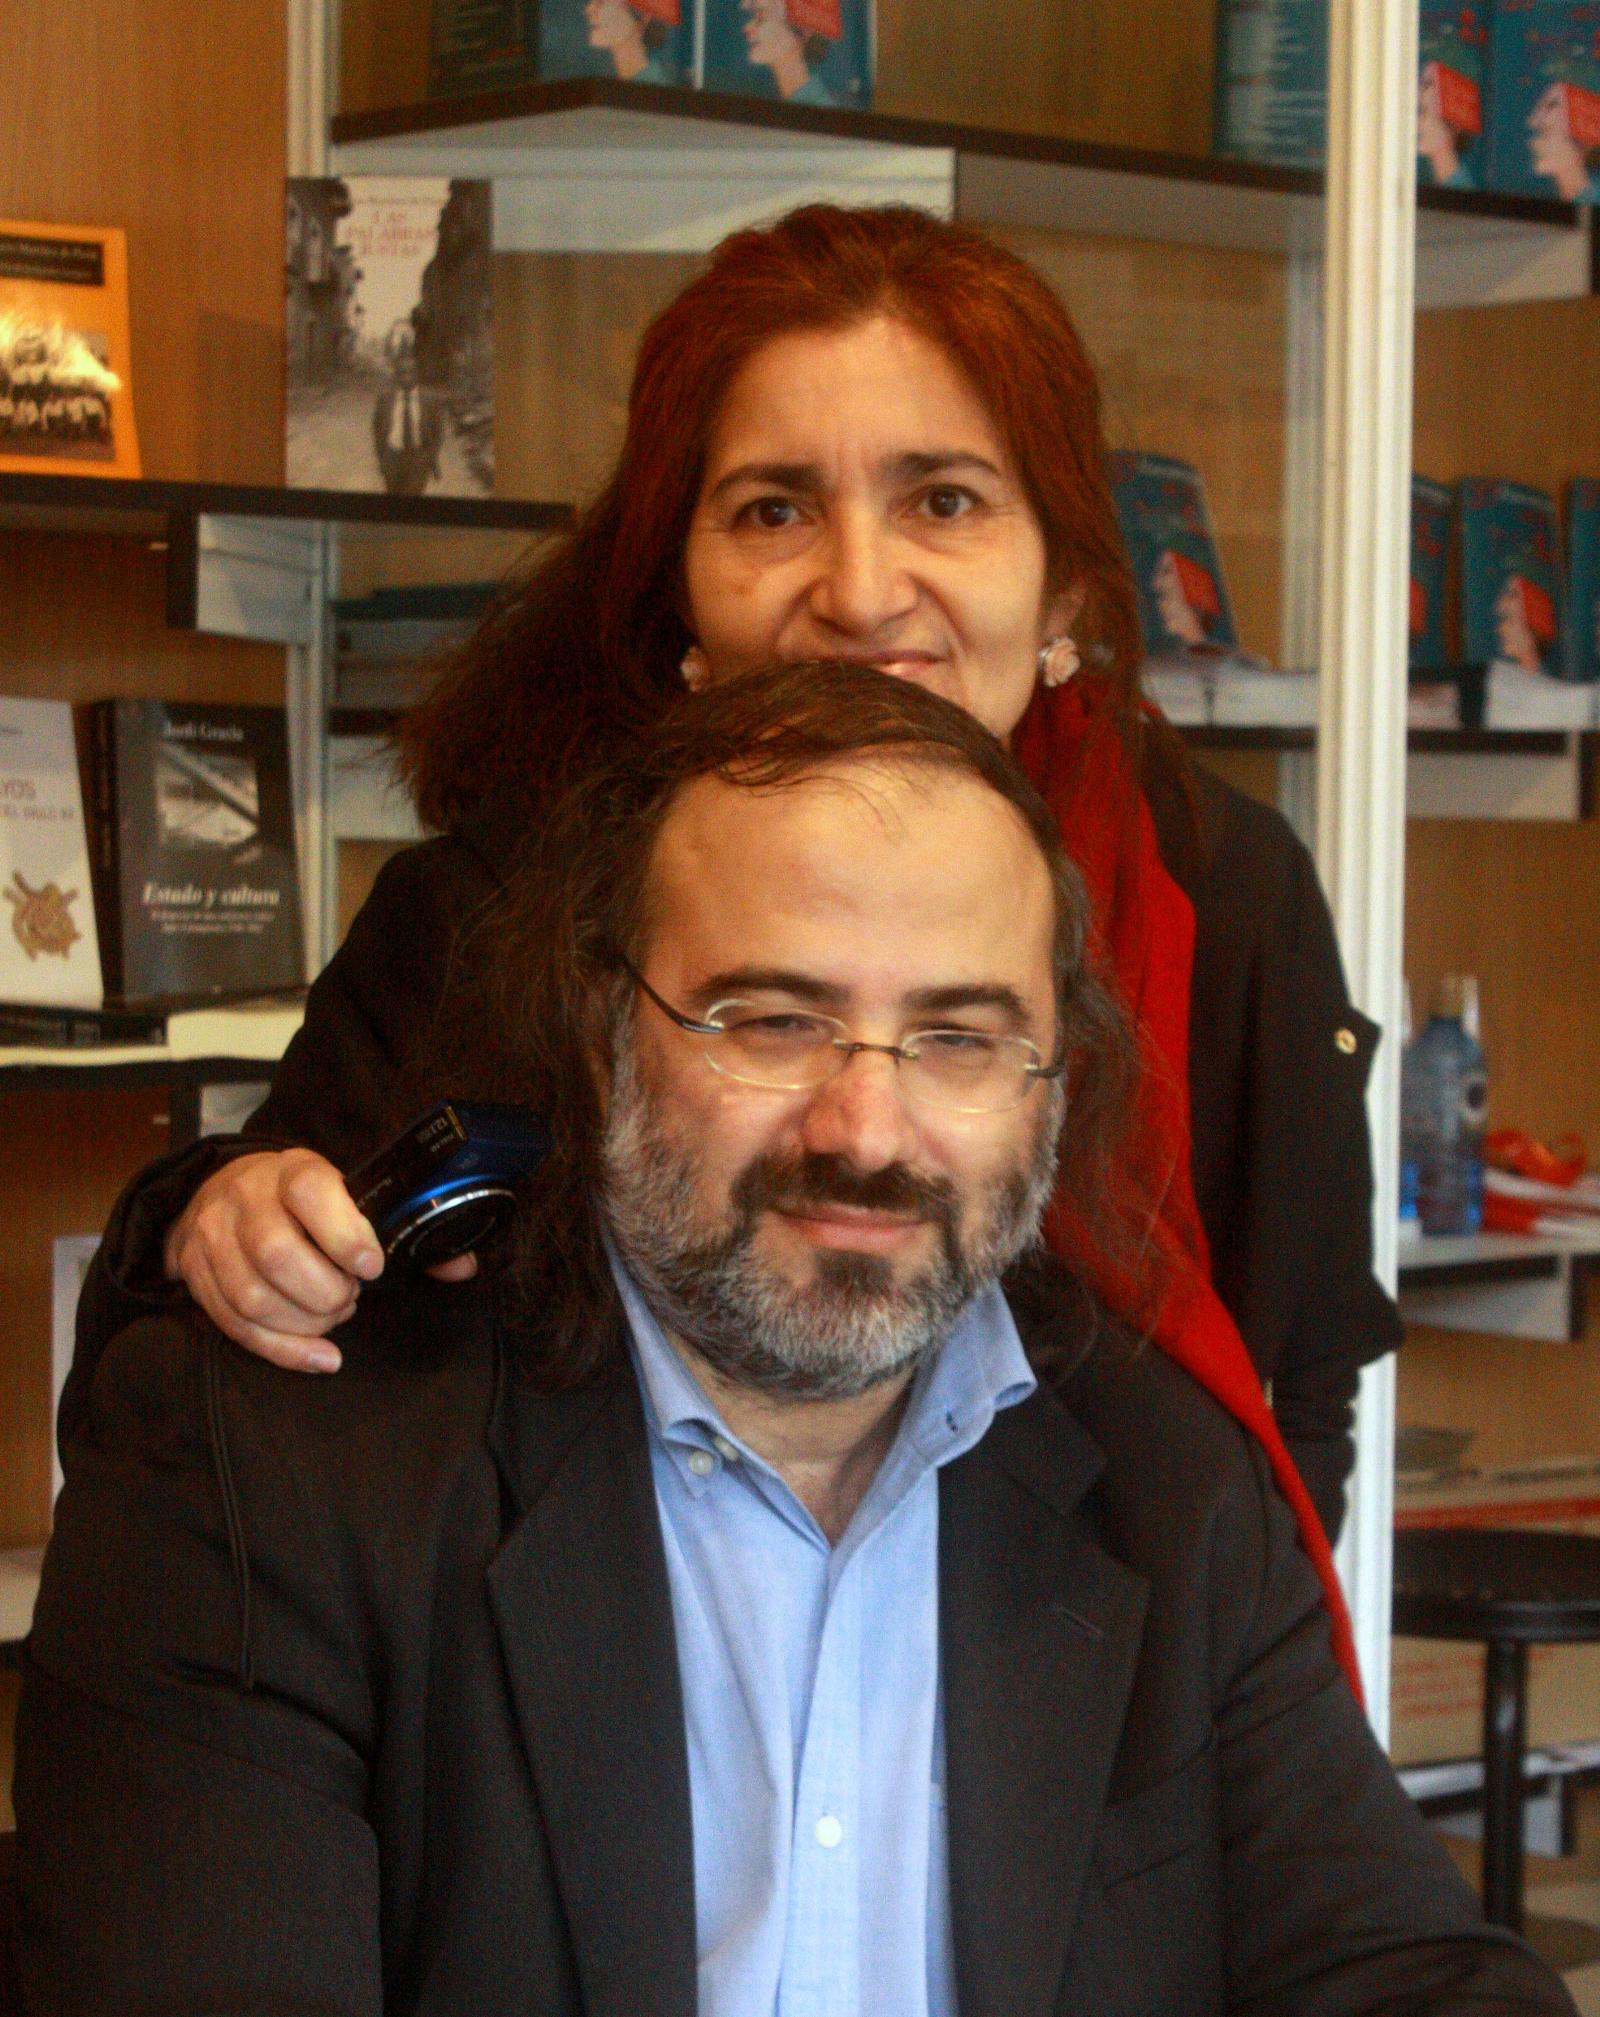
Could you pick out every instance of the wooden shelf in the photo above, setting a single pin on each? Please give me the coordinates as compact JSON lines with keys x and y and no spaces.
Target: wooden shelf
{"x":1506,"y":1284}
{"x":239,"y":557}
{"x":144,"y":509}
{"x":1557,"y":742}
{"x":990,"y":175}
{"x":245,"y":1048}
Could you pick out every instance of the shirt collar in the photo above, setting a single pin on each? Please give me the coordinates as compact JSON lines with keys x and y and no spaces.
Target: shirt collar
{"x":981,"y":1369}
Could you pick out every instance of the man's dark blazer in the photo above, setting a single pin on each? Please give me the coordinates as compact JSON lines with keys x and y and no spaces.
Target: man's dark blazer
{"x":361,"y":1694}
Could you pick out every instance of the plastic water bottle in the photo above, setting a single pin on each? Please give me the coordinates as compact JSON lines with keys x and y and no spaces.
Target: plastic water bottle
{"x":1410,"y":1226}
{"x":1444,"y":1100}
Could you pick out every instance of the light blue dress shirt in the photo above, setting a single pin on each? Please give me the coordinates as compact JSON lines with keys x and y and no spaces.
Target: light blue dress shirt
{"x":811,"y":1691}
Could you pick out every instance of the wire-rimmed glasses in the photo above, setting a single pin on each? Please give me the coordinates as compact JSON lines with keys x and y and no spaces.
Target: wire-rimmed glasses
{"x":796,"y":1050}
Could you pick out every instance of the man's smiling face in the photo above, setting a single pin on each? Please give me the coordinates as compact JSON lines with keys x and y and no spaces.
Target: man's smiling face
{"x":818,"y":1241}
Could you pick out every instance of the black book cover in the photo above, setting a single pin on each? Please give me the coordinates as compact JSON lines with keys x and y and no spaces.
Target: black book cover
{"x":196,"y":891}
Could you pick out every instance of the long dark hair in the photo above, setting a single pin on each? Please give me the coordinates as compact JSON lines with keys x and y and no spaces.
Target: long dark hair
{"x":581,"y":655}
{"x":536,"y":1020}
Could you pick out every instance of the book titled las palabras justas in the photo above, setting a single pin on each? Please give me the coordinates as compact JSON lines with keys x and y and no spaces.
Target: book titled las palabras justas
{"x":192,"y":846}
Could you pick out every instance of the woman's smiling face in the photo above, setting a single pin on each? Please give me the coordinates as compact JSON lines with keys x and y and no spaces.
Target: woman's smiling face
{"x":859,"y":502}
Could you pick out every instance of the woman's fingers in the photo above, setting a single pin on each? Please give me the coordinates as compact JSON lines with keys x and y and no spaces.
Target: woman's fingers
{"x":275,"y":1253}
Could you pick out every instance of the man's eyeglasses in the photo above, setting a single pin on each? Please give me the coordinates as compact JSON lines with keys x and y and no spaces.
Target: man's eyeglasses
{"x":797,"y":1050}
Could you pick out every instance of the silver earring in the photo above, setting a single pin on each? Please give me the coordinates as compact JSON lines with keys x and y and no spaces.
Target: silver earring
{"x":1058,"y":660}
{"x":695,"y":667}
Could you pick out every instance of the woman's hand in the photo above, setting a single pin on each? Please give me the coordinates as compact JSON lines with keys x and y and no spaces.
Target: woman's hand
{"x":274,"y":1252}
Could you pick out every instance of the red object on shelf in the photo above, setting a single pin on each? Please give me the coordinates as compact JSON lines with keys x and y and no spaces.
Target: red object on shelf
{"x":1511,"y":1149}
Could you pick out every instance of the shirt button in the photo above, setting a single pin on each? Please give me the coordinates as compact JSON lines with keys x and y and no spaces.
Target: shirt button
{"x":702,"y":1463}
{"x":1346,"y":1041}
{"x":727,"y":1451}
{"x":830,"y":1832}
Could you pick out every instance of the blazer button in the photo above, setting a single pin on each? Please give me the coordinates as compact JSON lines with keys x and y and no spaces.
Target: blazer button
{"x":1346,"y":1041}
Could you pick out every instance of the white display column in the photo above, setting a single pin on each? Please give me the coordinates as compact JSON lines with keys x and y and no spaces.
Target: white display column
{"x":1360,"y":831}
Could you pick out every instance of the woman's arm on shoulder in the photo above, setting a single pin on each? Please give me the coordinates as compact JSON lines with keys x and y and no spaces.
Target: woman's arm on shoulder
{"x":368,"y":1016}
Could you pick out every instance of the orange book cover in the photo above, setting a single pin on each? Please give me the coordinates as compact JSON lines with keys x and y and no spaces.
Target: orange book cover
{"x":66,"y":385}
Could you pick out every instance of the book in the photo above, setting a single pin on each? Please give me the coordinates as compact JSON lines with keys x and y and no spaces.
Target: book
{"x":1271,"y":91}
{"x":1511,"y":596}
{"x":193,"y":850}
{"x":240,"y":1029}
{"x":1544,"y":103}
{"x":1452,"y":80}
{"x":1430,"y":552}
{"x":805,"y":52}
{"x":1183,"y":599}
{"x":66,"y":387}
{"x":73,"y":1029}
{"x":49,"y":948}
{"x":389,"y":335}
{"x":488,"y":45}
{"x":1583,"y":579}
{"x":1258,"y":696}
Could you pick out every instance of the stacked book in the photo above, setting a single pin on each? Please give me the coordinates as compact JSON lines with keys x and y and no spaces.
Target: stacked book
{"x":147,"y":863}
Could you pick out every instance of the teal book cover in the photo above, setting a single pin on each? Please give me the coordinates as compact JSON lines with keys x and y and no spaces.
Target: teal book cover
{"x":1511,"y":576}
{"x":804,"y":52}
{"x":1183,"y":600}
{"x":1452,"y":94}
{"x":1544,"y":103}
{"x":1430,"y":551}
{"x":488,"y":45}
{"x":1583,"y":579}
{"x":1272,"y":81}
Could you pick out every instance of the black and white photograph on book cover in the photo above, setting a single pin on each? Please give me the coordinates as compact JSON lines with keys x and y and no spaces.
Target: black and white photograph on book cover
{"x":389,"y":335}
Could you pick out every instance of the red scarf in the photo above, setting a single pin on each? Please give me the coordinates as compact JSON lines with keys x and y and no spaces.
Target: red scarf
{"x":1069,"y":745}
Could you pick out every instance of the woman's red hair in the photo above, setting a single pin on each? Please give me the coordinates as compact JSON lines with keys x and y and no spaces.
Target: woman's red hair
{"x":586,"y":648}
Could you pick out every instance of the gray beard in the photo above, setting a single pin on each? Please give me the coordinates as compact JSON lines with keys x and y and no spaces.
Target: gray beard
{"x":852,"y":1326}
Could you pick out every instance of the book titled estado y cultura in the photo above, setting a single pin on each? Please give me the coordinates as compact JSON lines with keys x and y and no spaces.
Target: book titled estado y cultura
{"x":192,"y":836}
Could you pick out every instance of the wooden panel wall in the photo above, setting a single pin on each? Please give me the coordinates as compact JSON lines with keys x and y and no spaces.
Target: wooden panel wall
{"x":1511,"y":392}
{"x":82,"y":1147}
{"x":1188,"y":342}
{"x":167,"y":118}
{"x":1132,"y":71}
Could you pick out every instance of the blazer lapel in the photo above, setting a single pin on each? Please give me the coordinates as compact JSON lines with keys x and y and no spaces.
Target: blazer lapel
{"x":1040,"y":1632}
{"x":581,"y":1600}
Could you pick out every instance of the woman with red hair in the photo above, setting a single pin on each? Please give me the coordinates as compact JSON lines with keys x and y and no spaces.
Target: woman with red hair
{"x":871,"y":435}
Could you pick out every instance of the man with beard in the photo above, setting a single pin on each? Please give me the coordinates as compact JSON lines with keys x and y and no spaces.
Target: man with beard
{"x":741,"y":1603}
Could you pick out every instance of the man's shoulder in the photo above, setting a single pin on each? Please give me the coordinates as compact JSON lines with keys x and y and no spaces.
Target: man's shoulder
{"x":1159,"y":1434}
{"x":410,"y":1403}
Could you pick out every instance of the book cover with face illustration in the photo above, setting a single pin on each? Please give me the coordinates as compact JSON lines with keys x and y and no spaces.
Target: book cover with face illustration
{"x":1452,"y":93}
{"x":486,"y":45}
{"x":1272,"y":81}
{"x":1583,"y":579}
{"x":804,"y":52}
{"x":1544,"y":112}
{"x":1511,"y":605}
{"x":1183,"y":600}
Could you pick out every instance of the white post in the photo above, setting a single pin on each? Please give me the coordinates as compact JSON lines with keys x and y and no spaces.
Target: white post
{"x":1366,"y":462}
{"x":306,"y":666}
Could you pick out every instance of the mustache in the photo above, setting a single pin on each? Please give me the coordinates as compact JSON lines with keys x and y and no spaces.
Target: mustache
{"x":785,"y":1183}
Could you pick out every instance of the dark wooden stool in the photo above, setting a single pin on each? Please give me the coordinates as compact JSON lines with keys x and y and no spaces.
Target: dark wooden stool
{"x":1512,"y":1588}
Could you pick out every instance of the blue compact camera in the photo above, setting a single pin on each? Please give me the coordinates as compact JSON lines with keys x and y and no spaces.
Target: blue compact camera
{"x":450,"y":1180}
